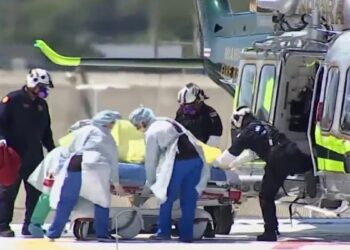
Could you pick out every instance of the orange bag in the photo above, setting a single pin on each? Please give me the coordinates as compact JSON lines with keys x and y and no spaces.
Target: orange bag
{"x":10,"y":164}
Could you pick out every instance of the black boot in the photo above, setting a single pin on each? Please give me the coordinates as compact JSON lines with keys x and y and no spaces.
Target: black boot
{"x":25,"y":230}
{"x":268,"y":235}
{"x":7,"y":233}
{"x":159,"y":237}
{"x":106,"y":239}
{"x":209,"y":231}
{"x":311,"y":184}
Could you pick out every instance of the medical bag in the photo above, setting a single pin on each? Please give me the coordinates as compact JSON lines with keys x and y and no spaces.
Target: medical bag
{"x":10,"y":163}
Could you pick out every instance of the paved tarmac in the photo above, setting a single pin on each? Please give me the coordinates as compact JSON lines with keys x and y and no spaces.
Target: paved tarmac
{"x":304,"y":234}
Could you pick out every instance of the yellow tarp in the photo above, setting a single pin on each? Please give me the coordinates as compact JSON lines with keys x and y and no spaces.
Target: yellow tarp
{"x":130,"y":141}
{"x":210,"y":153}
{"x":131,"y":144}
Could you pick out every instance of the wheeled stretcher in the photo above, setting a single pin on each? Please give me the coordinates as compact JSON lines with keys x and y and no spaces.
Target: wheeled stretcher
{"x":137,"y":214}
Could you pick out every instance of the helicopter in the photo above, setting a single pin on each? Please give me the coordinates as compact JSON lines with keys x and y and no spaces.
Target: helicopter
{"x":270,"y":61}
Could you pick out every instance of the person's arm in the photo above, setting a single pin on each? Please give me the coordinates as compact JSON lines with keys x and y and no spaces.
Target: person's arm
{"x":151,"y":159}
{"x":244,"y":157}
{"x":47,"y":139}
{"x":228,"y":158}
{"x":5,"y":116}
{"x":179,"y":116}
{"x":215,"y":128}
{"x":116,"y":188}
{"x":81,"y":140}
{"x":115,"y":167}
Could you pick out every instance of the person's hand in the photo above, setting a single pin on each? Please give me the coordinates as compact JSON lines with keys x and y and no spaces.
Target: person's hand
{"x":216,"y":163}
{"x":146,"y":191}
{"x":3,"y":142}
{"x":117,"y":190}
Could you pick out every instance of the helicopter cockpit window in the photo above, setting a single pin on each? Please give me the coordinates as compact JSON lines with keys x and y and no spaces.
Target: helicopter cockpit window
{"x":265,"y":92}
{"x":330,"y":98}
{"x":247,"y":86}
{"x":345,"y":117}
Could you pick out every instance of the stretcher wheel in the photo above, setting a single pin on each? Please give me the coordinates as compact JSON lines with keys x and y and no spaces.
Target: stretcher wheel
{"x":80,"y":229}
{"x":129,"y":224}
{"x":223,"y":219}
{"x":200,"y":224}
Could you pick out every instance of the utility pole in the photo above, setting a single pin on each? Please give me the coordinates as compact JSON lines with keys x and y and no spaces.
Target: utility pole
{"x":11,"y":17}
{"x":153,"y":29}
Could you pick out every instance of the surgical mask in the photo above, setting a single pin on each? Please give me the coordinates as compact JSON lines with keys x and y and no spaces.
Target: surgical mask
{"x":140,"y":128}
{"x":189,"y":109}
{"x":43,"y":92}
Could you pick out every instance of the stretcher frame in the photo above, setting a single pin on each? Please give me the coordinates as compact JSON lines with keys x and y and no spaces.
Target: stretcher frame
{"x":140,"y":218}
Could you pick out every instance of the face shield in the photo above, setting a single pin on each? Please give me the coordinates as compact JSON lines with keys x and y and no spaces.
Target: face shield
{"x":191,"y":108}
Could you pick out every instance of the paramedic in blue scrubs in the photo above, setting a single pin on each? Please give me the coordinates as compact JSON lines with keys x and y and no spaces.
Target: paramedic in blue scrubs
{"x":174,"y":169}
{"x":91,"y":173}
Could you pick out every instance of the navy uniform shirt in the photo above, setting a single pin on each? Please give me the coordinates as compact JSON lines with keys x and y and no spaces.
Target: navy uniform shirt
{"x":258,"y":137}
{"x":25,"y":124}
{"x":203,"y":124}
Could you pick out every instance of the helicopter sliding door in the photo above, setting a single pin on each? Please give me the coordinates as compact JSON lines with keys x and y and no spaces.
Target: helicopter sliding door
{"x":345,"y":122}
{"x":329,"y":149}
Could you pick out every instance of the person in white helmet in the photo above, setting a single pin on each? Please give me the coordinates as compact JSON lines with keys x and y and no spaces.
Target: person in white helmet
{"x":25,"y":125}
{"x":205,"y":124}
{"x":195,"y":115}
{"x":281,"y":155}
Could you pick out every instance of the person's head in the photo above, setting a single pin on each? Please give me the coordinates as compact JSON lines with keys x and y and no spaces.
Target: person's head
{"x":191,"y":98}
{"x":242,"y":117}
{"x":39,"y":82}
{"x":141,"y":118}
{"x":106,"y":118}
{"x":79,"y":124}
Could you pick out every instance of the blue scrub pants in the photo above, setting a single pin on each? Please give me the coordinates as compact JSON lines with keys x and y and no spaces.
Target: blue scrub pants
{"x":185,"y":177}
{"x":68,"y":199}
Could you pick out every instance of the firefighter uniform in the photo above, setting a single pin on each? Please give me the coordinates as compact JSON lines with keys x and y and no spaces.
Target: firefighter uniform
{"x":25,"y":125}
{"x":203,"y":124}
{"x":282,"y":158}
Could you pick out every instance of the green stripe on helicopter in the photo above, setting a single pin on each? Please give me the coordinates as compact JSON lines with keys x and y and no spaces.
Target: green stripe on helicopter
{"x":172,"y":63}
{"x":55,"y":57}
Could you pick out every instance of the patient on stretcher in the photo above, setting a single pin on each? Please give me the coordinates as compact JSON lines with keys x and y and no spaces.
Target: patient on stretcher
{"x":131,"y":147}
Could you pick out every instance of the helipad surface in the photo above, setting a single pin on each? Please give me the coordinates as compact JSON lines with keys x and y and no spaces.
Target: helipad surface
{"x":310,"y":234}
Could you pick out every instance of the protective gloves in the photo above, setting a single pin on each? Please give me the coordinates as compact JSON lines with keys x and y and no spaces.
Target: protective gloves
{"x":117,"y":190}
{"x":146,"y":191}
{"x":3,"y":142}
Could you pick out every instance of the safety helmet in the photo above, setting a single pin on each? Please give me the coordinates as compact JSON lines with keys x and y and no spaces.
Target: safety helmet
{"x":239,"y":115}
{"x":39,"y":76}
{"x":190,"y":93}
